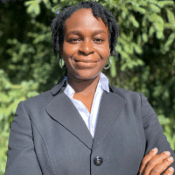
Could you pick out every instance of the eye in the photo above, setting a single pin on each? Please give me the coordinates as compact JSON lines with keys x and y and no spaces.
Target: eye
{"x":98,"y":40}
{"x":74,"y":40}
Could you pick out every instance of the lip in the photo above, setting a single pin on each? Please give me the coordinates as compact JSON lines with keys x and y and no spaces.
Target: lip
{"x":84,"y":64}
{"x":86,"y":61}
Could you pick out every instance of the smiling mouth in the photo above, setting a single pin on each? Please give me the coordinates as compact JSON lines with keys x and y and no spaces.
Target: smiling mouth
{"x":85,"y":61}
{"x":85,"y":64}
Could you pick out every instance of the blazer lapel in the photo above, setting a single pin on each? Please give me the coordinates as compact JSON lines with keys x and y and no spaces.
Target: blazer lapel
{"x":63,"y":111}
{"x":110,"y":107}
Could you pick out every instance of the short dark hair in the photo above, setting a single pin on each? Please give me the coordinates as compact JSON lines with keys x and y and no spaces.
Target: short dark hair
{"x":57,"y":26}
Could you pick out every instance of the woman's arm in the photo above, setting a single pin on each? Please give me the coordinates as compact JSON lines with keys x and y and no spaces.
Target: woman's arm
{"x":22,"y":159}
{"x":154,"y":133}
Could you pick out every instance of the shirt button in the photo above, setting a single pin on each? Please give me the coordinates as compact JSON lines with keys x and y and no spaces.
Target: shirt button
{"x":98,"y":160}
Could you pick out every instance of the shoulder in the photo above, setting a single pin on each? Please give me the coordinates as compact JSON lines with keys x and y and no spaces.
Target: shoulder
{"x":44,"y":98}
{"x":126,"y":94}
{"x":134,"y":99}
{"x":38,"y":101}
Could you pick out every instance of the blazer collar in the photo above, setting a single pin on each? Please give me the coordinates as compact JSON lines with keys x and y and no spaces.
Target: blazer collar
{"x":110,"y":107}
{"x":63,"y":111}
{"x":59,"y":87}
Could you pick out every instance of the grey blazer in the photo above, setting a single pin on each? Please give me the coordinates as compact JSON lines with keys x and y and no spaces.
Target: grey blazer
{"x":49,"y":137}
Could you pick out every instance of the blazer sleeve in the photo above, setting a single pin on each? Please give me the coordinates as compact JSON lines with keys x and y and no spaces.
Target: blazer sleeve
{"x":153,"y":130}
{"x":21,"y":154}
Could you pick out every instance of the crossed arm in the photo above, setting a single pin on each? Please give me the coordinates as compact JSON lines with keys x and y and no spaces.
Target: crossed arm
{"x":154,"y":163}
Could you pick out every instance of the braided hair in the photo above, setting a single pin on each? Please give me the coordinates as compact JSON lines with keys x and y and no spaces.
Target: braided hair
{"x":99,"y":11}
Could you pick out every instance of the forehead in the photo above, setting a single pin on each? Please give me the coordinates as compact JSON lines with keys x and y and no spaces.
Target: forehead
{"x":84,"y":19}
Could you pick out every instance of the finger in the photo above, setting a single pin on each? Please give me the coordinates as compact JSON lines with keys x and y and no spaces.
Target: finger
{"x":145,"y":160}
{"x":155,"y":161}
{"x":169,"y":171}
{"x":161,"y":167}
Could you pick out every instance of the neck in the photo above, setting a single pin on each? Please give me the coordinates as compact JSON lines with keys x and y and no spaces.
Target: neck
{"x":84,"y":87}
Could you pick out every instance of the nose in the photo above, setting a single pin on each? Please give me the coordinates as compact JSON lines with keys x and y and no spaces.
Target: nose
{"x":86,"y":47}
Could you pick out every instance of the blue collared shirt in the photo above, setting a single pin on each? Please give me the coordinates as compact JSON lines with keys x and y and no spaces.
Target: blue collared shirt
{"x":90,"y":119}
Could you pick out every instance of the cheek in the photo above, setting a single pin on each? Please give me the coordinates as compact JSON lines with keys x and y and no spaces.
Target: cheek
{"x":68,"y":50}
{"x":104,"y":51}
{"x":108,"y":50}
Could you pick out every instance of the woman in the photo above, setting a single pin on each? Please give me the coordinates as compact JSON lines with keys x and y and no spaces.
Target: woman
{"x":83,"y":125}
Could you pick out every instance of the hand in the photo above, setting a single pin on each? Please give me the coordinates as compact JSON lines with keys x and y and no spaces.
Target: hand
{"x":153,"y":164}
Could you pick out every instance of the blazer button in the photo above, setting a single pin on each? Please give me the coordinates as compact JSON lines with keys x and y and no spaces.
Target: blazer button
{"x":98,"y":161}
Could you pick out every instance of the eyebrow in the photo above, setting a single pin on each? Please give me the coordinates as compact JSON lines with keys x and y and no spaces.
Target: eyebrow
{"x":79,"y":32}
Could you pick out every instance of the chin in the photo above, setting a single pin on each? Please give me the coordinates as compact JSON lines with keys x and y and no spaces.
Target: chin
{"x":87,"y":75}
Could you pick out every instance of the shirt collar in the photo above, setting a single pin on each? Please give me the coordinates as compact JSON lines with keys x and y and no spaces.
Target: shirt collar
{"x":103,"y":83}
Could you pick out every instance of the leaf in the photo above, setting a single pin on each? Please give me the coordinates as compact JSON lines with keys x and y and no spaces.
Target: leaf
{"x":156,"y":18}
{"x":130,"y":65}
{"x":165,"y":3}
{"x":137,"y":49}
{"x":124,"y":55}
{"x":123,"y":15}
{"x":47,"y":3}
{"x":34,"y":8}
{"x":154,"y":8}
{"x":158,"y":26}
{"x":113,"y":67}
{"x":118,"y":48}
{"x":145,"y":37}
{"x":123,"y":35}
{"x":28,"y":3}
{"x":159,"y":35}
{"x":56,"y":8}
{"x":124,"y":12}
{"x":171,"y":38}
{"x":171,"y":17}
{"x":143,"y":3}
{"x":139,"y":9}
{"x":151,"y":31}
{"x":169,"y":26}
{"x":139,"y":40}
{"x":123,"y":67}
{"x":134,"y":21}
{"x":140,"y":62}
{"x":163,"y":120}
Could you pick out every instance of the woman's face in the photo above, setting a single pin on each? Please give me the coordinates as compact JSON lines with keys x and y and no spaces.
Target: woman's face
{"x":86,"y":45}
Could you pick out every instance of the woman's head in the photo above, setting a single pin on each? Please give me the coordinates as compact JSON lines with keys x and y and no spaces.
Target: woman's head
{"x":98,"y":11}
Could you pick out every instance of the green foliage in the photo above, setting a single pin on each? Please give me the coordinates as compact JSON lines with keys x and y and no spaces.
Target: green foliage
{"x":11,"y":95}
{"x":145,"y":63}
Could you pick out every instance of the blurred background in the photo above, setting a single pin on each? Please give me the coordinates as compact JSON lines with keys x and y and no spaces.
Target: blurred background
{"x":145,"y":63}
